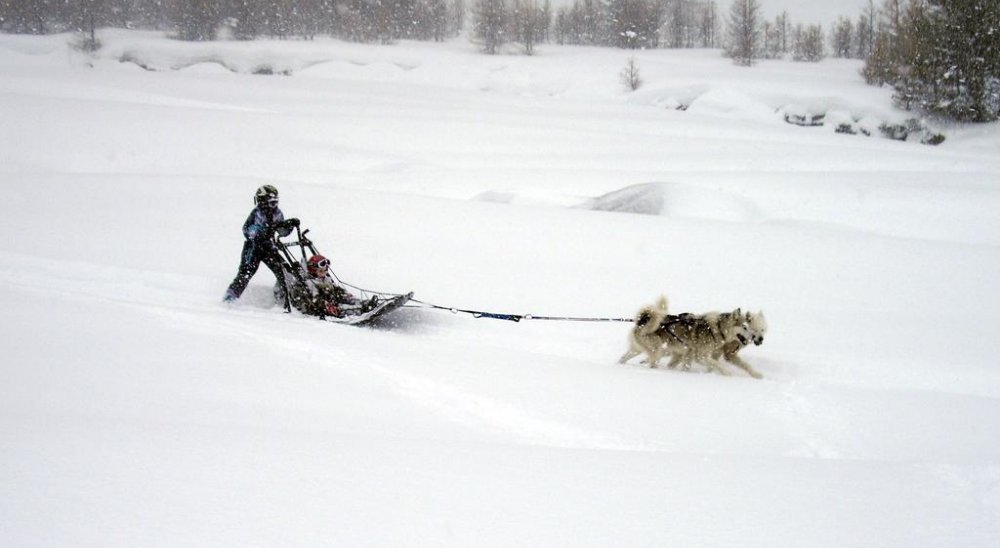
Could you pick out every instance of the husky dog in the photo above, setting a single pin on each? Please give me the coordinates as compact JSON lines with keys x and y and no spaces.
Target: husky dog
{"x":689,"y":338}
{"x":753,"y":329}
{"x":643,"y":337}
{"x":693,"y":338}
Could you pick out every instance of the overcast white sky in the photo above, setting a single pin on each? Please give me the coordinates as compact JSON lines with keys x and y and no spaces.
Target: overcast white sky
{"x":824,"y":12}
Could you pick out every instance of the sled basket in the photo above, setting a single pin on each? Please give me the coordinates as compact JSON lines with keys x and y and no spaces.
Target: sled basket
{"x":352,"y":305}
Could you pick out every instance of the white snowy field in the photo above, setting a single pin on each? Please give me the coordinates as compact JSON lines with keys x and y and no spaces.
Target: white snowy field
{"x":137,"y":410}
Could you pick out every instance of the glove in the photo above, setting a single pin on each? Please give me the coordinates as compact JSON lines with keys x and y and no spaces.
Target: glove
{"x":282,"y":225}
{"x":332,"y":310}
{"x":289,"y":223}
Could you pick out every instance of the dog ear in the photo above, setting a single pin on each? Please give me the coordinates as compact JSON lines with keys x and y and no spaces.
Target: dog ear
{"x":738,"y":312}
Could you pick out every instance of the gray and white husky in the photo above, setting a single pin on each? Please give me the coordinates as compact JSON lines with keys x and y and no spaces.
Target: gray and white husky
{"x":690,"y":338}
{"x":753,"y":330}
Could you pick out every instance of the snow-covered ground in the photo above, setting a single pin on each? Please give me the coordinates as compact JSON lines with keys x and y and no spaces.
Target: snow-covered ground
{"x":137,"y":410}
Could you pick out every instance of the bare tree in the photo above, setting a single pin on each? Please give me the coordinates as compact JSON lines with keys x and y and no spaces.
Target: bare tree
{"x":436,"y":15}
{"x":89,"y":15}
{"x":883,"y":64}
{"x":771,"y":45}
{"x":864,"y":39}
{"x":808,"y":44}
{"x":842,"y":38}
{"x":680,"y":26}
{"x":457,"y":18}
{"x":783,"y":26}
{"x":528,"y":23}
{"x":630,"y":75}
{"x":489,"y":19}
{"x":708,"y":25}
{"x":585,"y":22}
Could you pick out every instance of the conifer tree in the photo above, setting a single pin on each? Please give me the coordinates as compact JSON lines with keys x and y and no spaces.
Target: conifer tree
{"x":196,"y":19}
{"x":940,"y":56}
{"x":956,"y":62}
{"x":744,"y":32}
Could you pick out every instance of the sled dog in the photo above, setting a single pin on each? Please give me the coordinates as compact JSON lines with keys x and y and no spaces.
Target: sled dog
{"x":643,"y":338}
{"x":690,"y":338}
{"x":754,"y":328}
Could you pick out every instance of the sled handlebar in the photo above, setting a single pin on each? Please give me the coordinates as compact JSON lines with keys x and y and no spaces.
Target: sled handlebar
{"x":300,"y":240}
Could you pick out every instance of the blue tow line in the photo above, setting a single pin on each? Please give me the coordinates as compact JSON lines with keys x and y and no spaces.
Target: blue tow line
{"x":513,"y":317}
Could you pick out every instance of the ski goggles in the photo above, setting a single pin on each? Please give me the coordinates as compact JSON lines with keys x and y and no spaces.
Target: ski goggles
{"x":323,"y":264}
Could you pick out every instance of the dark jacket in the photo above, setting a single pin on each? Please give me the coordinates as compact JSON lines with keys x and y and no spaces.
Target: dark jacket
{"x":262,"y":223}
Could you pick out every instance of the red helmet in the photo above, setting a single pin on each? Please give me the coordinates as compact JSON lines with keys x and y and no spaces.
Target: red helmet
{"x":317,"y":266}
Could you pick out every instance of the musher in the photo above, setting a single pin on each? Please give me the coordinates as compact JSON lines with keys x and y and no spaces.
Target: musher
{"x":258,"y":231}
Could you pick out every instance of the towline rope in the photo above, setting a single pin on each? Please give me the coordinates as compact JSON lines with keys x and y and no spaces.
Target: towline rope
{"x":512,"y":317}
{"x":480,"y":313}
{"x":302,"y":243}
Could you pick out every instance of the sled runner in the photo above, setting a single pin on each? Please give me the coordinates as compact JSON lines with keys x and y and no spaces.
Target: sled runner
{"x":382,"y":307}
{"x":315,"y":290}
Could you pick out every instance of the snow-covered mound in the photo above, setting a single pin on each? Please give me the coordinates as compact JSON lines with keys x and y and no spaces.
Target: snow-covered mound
{"x":677,"y":200}
{"x":645,"y":198}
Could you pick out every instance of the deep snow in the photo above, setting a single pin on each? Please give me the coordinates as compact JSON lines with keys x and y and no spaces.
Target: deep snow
{"x":136,"y":410}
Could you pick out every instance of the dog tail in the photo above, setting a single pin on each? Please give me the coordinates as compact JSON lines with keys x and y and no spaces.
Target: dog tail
{"x":650,"y":316}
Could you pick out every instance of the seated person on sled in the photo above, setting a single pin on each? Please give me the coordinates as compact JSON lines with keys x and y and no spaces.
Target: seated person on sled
{"x":324,"y":297}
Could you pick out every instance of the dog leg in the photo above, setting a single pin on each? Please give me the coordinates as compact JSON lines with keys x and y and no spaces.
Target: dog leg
{"x":663,"y":351}
{"x":687,"y":359}
{"x":714,"y":365}
{"x":674,"y":360}
{"x":631,"y":353}
{"x":739,"y":362}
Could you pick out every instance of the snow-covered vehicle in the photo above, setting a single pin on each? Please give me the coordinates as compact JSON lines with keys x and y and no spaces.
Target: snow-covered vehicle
{"x":315,"y":290}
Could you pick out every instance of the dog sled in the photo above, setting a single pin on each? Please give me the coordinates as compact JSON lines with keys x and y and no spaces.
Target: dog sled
{"x":347,"y":304}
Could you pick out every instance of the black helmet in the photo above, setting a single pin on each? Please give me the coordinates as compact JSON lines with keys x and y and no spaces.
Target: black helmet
{"x":266,"y":196}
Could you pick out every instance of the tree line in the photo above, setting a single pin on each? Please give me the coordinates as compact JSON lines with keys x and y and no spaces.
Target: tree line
{"x":939,"y":56}
{"x":360,"y":20}
{"x":750,"y":37}
{"x":630,"y":24}
{"x":620,"y":23}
